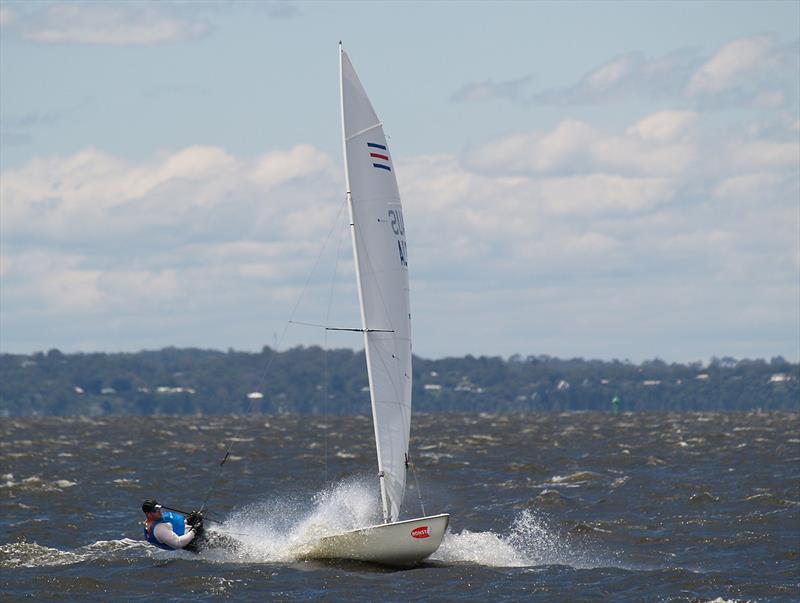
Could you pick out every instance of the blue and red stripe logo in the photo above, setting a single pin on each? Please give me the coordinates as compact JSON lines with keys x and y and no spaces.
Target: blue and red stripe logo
{"x":378,"y":153}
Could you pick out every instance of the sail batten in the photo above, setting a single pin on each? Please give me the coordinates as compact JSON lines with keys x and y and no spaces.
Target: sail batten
{"x":381,"y":256}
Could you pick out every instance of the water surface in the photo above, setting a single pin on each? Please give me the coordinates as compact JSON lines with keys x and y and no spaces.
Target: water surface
{"x":574,"y":506}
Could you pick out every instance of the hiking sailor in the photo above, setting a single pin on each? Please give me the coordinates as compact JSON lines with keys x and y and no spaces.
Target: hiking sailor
{"x":170,"y":530}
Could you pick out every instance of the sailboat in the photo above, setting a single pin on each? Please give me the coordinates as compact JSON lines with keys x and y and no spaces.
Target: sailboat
{"x":381,"y":261}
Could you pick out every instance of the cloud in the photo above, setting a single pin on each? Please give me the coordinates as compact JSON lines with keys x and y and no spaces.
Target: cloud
{"x":626,"y":75}
{"x":657,"y":145}
{"x":663,"y":227}
{"x":756,"y":71}
{"x":281,"y":9}
{"x":748,"y":186}
{"x":283,"y":166}
{"x":765,"y":153}
{"x":92,"y":196}
{"x":189,"y":244}
{"x":630,"y":75}
{"x":663,"y":126}
{"x":733,"y":62}
{"x":514,"y":90}
{"x":108,"y":24}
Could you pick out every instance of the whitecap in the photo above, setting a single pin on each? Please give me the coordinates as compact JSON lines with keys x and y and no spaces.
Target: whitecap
{"x":530,"y":541}
{"x":576,"y":478}
{"x":283,"y":530}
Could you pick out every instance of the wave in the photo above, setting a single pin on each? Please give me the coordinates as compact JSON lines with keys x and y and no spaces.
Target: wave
{"x":282,"y":530}
{"x":530,"y":541}
{"x":31,"y":554}
{"x":35,"y":482}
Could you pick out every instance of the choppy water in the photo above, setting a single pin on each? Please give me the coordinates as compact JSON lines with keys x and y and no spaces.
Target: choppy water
{"x":577,"y":506}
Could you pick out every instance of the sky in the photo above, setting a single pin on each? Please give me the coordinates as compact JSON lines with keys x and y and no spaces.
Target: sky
{"x":579,"y":179}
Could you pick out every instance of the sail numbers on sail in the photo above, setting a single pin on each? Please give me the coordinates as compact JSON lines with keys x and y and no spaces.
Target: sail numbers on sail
{"x":399,"y":229}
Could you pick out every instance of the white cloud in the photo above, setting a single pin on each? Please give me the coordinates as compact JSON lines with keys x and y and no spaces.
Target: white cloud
{"x":730,"y":65}
{"x":663,"y":218}
{"x":280,"y":167}
{"x":595,"y":194}
{"x":47,"y":280}
{"x":624,"y":77}
{"x":656,"y":145}
{"x":114,"y":24}
{"x":747,"y":186}
{"x":765,"y":153}
{"x":195,"y":163}
{"x":93,"y":196}
{"x":756,"y":71}
{"x":663,"y":126}
{"x":91,"y":232}
{"x":611,"y":73}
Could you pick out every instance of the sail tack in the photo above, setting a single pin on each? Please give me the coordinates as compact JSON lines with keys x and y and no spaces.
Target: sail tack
{"x":381,"y":254}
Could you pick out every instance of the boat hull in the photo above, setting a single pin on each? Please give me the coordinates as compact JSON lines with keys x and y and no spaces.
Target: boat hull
{"x":402,"y":543}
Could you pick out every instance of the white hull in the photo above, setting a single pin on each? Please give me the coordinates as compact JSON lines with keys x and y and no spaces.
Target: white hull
{"x":401,"y":543}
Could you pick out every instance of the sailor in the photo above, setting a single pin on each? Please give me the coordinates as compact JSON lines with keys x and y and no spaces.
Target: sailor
{"x":170,"y":530}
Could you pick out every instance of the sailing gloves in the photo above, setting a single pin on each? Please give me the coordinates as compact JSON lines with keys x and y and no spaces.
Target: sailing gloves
{"x":195,"y":519}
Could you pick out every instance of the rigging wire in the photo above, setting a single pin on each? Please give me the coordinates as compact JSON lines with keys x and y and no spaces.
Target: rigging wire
{"x":325,"y":352}
{"x":263,"y":378}
{"x":416,"y":481}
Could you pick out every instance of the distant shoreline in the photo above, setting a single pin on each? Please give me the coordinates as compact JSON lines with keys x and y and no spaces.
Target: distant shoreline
{"x":314,"y":416}
{"x":174,"y":381}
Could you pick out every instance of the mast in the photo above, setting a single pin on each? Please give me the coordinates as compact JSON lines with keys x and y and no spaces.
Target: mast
{"x":364,"y":325}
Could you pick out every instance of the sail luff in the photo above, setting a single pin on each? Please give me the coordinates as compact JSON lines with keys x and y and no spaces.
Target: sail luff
{"x":353,"y":233}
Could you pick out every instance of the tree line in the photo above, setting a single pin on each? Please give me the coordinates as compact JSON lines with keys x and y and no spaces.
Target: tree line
{"x":313,"y":380}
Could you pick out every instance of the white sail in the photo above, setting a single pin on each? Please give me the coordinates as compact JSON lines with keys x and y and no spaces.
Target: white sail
{"x":379,"y":246}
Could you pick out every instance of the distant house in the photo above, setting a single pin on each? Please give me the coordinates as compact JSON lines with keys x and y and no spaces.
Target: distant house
{"x":780,"y":378}
{"x":432,"y":387}
{"x":701,"y":376}
{"x":465,"y":385}
{"x":651,"y":382}
{"x":165,"y":389}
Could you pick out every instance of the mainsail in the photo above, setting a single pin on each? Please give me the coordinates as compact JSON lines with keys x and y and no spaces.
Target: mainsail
{"x":379,"y":246}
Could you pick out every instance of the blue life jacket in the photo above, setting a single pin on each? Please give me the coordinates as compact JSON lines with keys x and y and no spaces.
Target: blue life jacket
{"x":178,"y":526}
